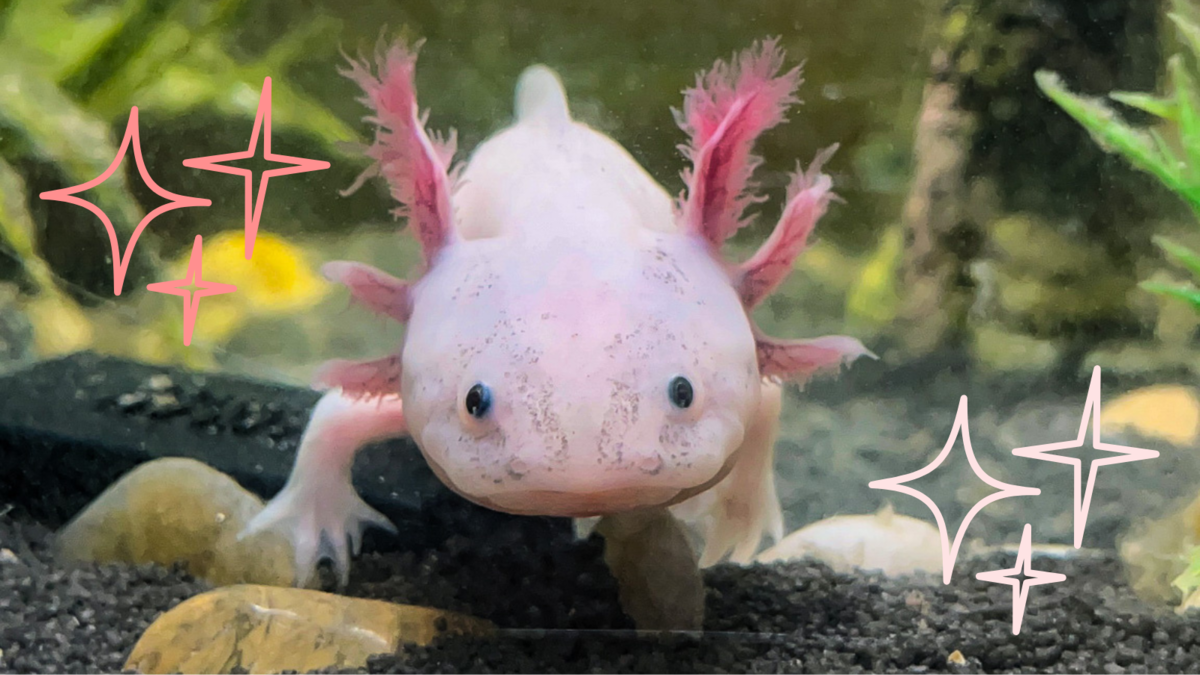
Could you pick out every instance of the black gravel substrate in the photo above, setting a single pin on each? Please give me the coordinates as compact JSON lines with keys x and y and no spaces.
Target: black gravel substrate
{"x":552,"y":595}
{"x":557,"y":604}
{"x":78,"y":620}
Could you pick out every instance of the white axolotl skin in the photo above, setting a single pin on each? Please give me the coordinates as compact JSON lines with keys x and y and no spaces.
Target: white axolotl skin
{"x":576,"y":345}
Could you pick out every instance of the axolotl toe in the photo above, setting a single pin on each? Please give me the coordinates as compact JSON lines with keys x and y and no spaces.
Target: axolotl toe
{"x":576,"y":343}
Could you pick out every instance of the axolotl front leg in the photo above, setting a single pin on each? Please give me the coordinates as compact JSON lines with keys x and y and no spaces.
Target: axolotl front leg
{"x":318,"y":509}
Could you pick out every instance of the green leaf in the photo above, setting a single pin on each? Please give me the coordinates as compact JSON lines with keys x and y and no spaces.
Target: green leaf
{"x":50,"y":36}
{"x":121,"y":46}
{"x":1189,"y":113}
{"x":1189,"y":294}
{"x":1181,"y":254}
{"x":16,"y":224}
{"x":210,"y":78}
{"x":298,"y":43}
{"x":1189,"y":30}
{"x":168,"y":44}
{"x":17,"y":229}
{"x":54,"y":129}
{"x":1165,"y":108}
{"x":1112,"y":134}
{"x":1189,"y":580}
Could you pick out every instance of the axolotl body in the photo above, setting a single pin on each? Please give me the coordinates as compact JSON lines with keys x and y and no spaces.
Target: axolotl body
{"x":576,"y":344}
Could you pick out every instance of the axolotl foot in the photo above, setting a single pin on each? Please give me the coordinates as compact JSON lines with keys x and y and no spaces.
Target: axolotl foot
{"x":321,"y":521}
{"x":318,"y":510}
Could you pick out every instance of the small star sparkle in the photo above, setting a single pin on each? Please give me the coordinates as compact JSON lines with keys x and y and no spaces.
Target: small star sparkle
{"x":1021,"y":577}
{"x":191,"y":288}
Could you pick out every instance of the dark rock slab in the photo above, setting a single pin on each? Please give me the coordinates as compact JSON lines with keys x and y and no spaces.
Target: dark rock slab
{"x":71,"y":426}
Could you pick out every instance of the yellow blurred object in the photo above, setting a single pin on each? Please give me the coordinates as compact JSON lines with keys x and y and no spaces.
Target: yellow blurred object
{"x":279,"y":277}
{"x":1166,"y":412}
{"x":59,"y":325}
{"x":264,"y":629}
{"x":824,"y":262}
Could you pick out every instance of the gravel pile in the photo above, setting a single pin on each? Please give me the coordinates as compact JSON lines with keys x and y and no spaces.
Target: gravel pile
{"x":802,"y":617}
{"x":557,"y":605}
{"x":78,"y":620}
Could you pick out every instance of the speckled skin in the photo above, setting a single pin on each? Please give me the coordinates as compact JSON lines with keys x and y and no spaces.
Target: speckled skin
{"x":564,"y":278}
{"x":577,"y":314}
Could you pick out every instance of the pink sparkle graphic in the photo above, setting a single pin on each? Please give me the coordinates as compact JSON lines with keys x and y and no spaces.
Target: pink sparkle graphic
{"x":897,"y":484}
{"x":1021,"y":577}
{"x":1083,"y":499}
{"x":184,"y":287}
{"x":262,"y":123}
{"x":174,"y":201}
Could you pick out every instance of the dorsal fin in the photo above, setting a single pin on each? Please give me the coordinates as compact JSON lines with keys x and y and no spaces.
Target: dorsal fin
{"x":541,"y":97}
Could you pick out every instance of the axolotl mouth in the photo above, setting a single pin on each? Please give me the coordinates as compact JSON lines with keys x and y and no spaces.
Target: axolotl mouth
{"x":576,"y":505}
{"x":583,"y":503}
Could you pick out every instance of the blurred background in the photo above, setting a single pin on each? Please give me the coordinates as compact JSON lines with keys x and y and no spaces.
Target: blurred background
{"x":984,"y":231}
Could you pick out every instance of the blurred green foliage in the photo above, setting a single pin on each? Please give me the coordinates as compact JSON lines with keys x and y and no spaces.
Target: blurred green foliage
{"x":1174,"y":161}
{"x":69,"y":75}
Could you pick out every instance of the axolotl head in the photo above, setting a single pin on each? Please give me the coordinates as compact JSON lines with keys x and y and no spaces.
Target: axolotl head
{"x":577,"y":345}
{"x":559,"y":380}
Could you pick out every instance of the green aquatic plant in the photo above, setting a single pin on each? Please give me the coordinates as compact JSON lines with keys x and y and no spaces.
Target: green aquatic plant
{"x":1188,"y":583}
{"x":69,"y":75}
{"x":1176,"y":162}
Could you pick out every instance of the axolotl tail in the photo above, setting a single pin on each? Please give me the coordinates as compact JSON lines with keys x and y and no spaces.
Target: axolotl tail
{"x":541,"y":98}
{"x":548,"y":173}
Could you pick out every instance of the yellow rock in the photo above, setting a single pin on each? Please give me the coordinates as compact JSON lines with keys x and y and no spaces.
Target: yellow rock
{"x":265,"y":629}
{"x":884,"y":541}
{"x":956,"y":658}
{"x":1167,"y":412}
{"x":178,"y":510}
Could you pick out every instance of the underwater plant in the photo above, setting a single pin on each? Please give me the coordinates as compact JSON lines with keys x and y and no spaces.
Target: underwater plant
{"x":1174,"y":161}
{"x":70,"y":74}
{"x":1188,"y":582}
{"x":1176,"y":165}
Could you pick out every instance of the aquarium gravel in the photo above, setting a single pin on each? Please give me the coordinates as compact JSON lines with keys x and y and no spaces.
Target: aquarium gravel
{"x":558,"y":609}
{"x":82,"y":619}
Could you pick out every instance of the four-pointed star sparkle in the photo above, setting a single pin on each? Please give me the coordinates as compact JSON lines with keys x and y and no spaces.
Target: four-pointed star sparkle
{"x":253,"y":207}
{"x":262,"y":124}
{"x":1083,"y":498}
{"x":1021,"y":577}
{"x":132,"y":139}
{"x":897,"y":484}
{"x":191,"y":288}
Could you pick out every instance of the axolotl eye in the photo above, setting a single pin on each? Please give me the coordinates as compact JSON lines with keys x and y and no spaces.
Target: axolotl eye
{"x":680,"y":392}
{"x":478,"y":401}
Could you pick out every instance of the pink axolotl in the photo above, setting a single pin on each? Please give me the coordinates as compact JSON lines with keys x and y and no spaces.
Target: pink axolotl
{"x":576,"y":344}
